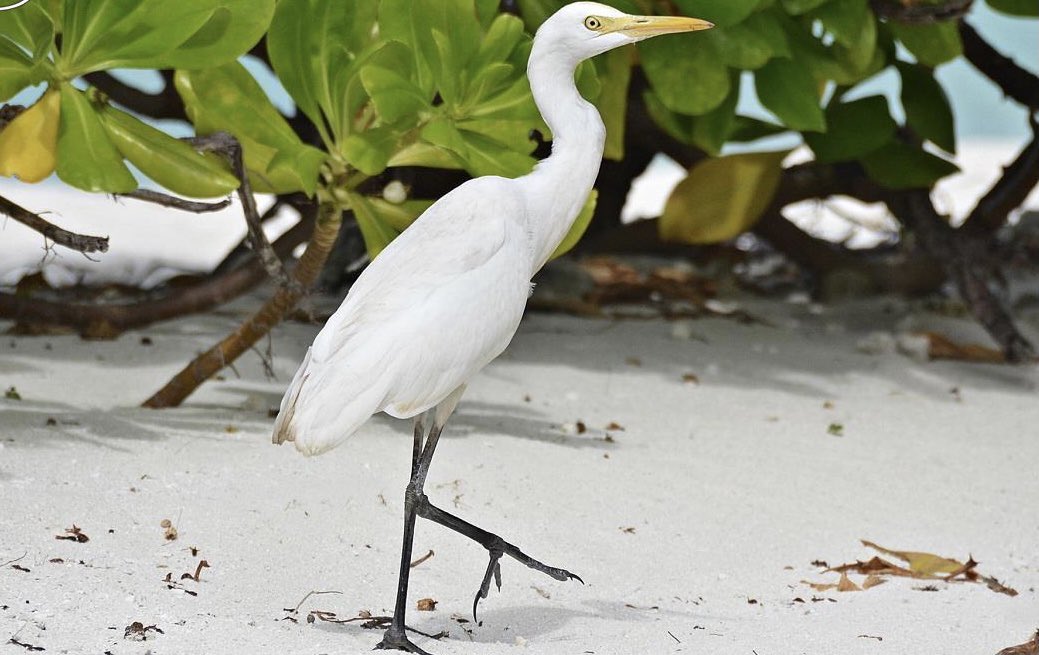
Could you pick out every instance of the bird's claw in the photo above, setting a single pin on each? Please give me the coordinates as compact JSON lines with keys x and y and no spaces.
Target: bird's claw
{"x":397,"y":640}
{"x":493,"y":570}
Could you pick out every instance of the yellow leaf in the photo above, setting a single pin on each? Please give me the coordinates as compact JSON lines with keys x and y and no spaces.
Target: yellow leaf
{"x":722,"y":197}
{"x":29,"y":143}
{"x":923,"y":564}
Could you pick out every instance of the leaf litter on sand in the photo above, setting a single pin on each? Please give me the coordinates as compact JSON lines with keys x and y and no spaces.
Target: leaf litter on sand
{"x":1030,"y":647}
{"x":918,"y":565}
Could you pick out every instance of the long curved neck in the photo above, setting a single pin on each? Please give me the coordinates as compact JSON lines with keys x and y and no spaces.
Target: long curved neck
{"x":557,"y":188}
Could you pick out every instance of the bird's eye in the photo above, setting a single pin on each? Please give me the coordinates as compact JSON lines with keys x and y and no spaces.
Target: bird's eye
{"x":592,"y":23}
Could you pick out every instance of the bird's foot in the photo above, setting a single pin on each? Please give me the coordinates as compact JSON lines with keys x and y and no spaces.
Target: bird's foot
{"x":501,"y":547}
{"x":396,"y":639}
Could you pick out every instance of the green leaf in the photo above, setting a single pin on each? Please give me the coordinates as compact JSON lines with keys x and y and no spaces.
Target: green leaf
{"x":789,"y":91}
{"x":928,"y":111}
{"x":1015,"y":7}
{"x":228,"y":98}
{"x":399,"y":215}
{"x":231,"y":30}
{"x":901,"y":166}
{"x":931,"y":44}
{"x":579,"y":226}
{"x":370,"y":151}
{"x":720,"y":12}
{"x":30,"y":28}
{"x":614,"y":70}
{"x":315,"y":47}
{"x":853,"y":27}
{"x":721,"y":198}
{"x":376,"y":232}
{"x":687,"y":74}
{"x":752,"y":43}
{"x":26,"y":37}
{"x":711,"y":131}
{"x":478,"y":154}
{"x":99,"y":34}
{"x":746,"y":129}
{"x":395,"y":96}
{"x":87,"y":159}
{"x":798,"y":7}
{"x":853,"y":129}
{"x":15,"y":69}
{"x":171,"y":162}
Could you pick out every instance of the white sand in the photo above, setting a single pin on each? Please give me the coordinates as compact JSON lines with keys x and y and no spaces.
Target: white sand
{"x":725,"y":484}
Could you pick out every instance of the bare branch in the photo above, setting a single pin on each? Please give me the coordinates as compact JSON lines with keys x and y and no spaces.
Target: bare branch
{"x":81,"y":242}
{"x":228,"y":146}
{"x":106,"y":319}
{"x":1009,"y":192}
{"x":206,"y":365}
{"x":1017,"y":83}
{"x":968,"y":264}
{"x":164,"y":104}
{"x":920,"y":13}
{"x":173,"y":202}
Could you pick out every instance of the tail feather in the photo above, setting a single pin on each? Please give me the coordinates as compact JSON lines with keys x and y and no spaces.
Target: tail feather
{"x":284,"y":428}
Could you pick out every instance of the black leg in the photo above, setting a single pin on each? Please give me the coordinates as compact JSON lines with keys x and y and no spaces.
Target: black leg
{"x":395,"y":636}
{"x":495,"y":545}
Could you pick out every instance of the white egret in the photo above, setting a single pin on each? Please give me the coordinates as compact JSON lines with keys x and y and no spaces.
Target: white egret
{"x":445,"y":298}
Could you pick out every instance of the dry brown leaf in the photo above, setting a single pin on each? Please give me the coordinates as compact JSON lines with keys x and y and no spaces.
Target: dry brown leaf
{"x":606,"y":271}
{"x":925,"y":565}
{"x":1030,"y":647}
{"x":872,"y":580}
{"x":820,"y":586}
{"x":942,"y":347}
{"x":426,"y":604}
{"x":845,"y":584}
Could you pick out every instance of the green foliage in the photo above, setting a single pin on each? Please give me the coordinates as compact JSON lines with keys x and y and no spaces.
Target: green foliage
{"x":440,"y":83}
{"x":92,"y":139}
{"x":726,"y":195}
{"x":228,"y":98}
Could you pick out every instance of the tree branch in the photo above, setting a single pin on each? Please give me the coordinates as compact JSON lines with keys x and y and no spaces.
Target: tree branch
{"x":968,"y":264}
{"x":1009,"y":192}
{"x":228,"y":146}
{"x":165,"y":104}
{"x":920,"y":13}
{"x":107,"y":319}
{"x":173,"y":202}
{"x":81,"y":242}
{"x":1016,"y":82}
{"x":203,"y":367}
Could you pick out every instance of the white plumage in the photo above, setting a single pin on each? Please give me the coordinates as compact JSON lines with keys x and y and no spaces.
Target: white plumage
{"x":445,"y":298}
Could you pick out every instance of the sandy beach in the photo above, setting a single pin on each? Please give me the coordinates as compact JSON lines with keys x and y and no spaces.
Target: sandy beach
{"x":736,"y":456}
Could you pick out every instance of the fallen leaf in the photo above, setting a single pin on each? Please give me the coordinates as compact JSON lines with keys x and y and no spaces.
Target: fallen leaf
{"x":169,"y":530}
{"x":426,"y":604}
{"x":73,"y":534}
{"x":690,"y":378}
{"x":614,"y":426}
{"x":845,"y":584}
{"x":836,"y":429}
{"x":12,"y":394}
{"x":872,"y":580}
{"x":942,"y":347}
{"x":1030,"y":647}
{"x":924,"y":564}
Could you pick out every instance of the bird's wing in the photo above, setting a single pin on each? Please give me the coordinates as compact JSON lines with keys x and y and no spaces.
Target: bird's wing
{"x":433,"y":308}
{"x":458,"y":234}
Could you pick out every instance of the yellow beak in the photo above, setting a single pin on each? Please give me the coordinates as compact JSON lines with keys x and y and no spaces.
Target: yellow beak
{"x":642,"y":27}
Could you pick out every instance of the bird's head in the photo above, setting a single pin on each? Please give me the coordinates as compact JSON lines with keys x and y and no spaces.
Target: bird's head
{"x":586,"y":29}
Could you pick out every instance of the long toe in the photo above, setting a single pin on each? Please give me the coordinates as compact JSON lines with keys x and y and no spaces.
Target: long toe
{"x":397,"y":640}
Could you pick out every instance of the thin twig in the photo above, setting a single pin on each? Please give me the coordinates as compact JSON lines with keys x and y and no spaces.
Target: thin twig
{"x":81,"y":242}
{"x":164,"y":104}
{"x":422,"y":559}
{"x":18,"y":559}
{"x":228,"y":146}
{"x":173,"y":202}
